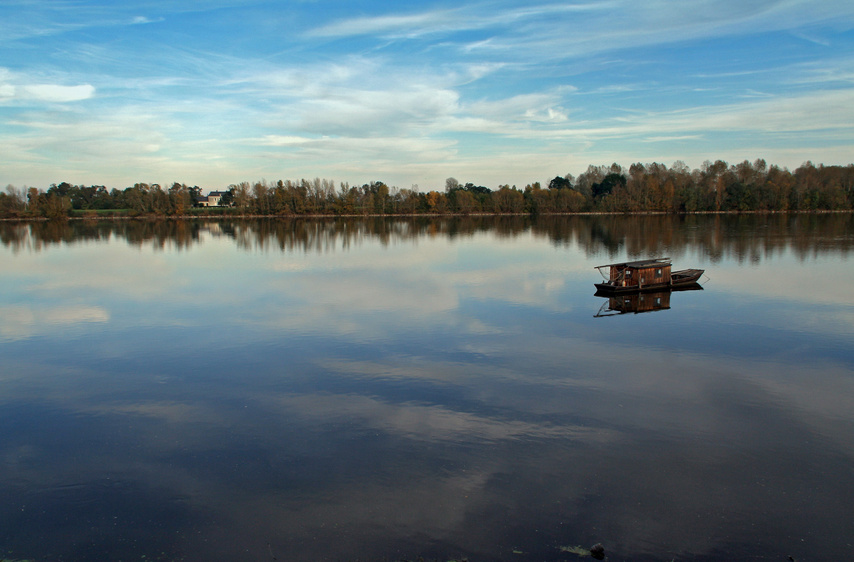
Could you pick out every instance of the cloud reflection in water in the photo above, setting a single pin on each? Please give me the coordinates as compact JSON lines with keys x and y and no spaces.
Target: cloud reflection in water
{"x":294,"y":388}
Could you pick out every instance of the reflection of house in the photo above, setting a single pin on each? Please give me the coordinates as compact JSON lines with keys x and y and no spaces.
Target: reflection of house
{"x":212,"y":200}
{"x":636,"y":302}
{"x":639,"y":301}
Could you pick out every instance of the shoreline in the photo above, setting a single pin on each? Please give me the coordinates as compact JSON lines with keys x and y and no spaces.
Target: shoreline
{"x":244,"y":216}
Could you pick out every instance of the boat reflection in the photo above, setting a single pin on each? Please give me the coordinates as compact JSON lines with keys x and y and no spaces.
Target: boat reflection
{"x":635,"y":303}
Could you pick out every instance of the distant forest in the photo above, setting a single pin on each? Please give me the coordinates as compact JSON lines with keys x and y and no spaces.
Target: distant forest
{"x":715,"y":187}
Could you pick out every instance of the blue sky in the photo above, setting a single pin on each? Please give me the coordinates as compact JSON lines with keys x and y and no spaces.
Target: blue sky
{"x":410,"y":93}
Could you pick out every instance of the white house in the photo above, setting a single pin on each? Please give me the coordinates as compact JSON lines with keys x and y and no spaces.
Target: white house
{"x":212,"y":200}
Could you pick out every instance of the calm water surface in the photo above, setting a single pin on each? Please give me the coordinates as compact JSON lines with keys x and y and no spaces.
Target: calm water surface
{"x":388,"y":389}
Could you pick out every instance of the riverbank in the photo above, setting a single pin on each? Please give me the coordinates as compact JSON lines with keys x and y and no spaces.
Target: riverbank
{"x":88,"y":216}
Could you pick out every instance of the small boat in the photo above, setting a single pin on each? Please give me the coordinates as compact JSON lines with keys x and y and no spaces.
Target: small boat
{"x":646,"y":275}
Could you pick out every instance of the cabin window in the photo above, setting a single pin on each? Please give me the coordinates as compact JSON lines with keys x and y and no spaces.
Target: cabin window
{"x":658,"y":272}
{"x":628,"y":273}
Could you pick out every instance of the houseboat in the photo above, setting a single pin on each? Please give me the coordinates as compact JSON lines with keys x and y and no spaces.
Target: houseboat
{"x":645,"y":275}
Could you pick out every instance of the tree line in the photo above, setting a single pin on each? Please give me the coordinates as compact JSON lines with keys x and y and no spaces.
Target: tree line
{"x":714,"y":187}
{"x":743,"y":237}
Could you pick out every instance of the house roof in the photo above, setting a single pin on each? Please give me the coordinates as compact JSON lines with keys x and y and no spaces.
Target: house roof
{"x":655,"y":262}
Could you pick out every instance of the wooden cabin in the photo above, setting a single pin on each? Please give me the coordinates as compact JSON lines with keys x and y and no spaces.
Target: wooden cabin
{"x":646,"y":275}
{"x":639,"y":274}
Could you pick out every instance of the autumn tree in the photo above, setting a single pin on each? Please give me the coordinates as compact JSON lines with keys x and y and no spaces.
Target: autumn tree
{"x":12,"y":201}
{"x":507,"y":200}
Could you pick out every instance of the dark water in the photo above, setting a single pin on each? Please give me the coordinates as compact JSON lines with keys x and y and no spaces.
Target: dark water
{"x":388,"y":389}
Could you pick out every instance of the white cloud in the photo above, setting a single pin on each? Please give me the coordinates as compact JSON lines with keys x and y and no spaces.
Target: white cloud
{"x":804,"y":112}
{"x":542,"y":107}
{"x":141,"y":20}
{"x":16,"y":86}
{"x":672,"y":138}
{"x":364,"y":112}
{"x":57,"y":93}
{"x":281,"y":140}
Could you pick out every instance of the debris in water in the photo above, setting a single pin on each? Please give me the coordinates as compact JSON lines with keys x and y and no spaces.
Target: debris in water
{"x":579,"y":550}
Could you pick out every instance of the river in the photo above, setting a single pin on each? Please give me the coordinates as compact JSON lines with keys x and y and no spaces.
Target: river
{"x":385,"y":389}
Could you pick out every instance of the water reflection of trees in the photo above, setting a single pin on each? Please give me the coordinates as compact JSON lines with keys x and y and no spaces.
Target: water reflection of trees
{"x":738,"y":237}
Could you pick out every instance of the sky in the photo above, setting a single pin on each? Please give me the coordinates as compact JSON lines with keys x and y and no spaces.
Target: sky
{"x":97,"y":92}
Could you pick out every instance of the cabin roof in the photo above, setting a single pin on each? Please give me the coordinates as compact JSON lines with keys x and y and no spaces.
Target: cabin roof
{"x":656,"y":262}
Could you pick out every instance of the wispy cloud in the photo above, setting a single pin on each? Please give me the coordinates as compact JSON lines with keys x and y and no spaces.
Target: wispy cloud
{"x":562,"y":30}
{"x":443,"y":21}
{"x":396,"y":25}
{"x":142,"y":20}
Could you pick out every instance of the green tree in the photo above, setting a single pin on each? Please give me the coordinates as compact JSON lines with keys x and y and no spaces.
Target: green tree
{"x":560,"y":183}
{"x":227,"y":199}
{"x":607,"y":185}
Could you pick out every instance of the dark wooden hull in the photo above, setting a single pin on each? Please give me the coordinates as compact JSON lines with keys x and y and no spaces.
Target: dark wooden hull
{"x":684,"y":279}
